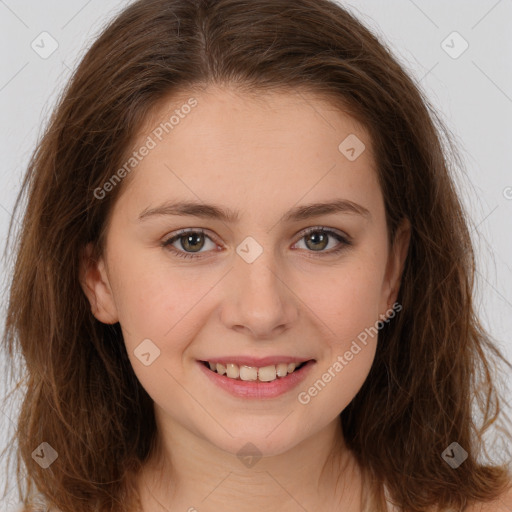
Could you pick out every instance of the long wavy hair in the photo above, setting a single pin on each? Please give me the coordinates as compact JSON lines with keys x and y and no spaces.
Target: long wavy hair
{"x":435,"y":368}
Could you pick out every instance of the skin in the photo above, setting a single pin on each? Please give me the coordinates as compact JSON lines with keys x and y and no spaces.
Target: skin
{"x":259,"y":156}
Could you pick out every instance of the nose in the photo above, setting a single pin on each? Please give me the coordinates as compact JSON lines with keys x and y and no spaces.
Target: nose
{"x":258,"y":301}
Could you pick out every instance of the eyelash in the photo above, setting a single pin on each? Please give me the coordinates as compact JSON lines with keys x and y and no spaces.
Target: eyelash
{"x":316,"y":229}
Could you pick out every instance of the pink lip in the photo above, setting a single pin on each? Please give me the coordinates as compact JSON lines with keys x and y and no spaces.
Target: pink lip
{"x":257,"y":389}
{"x":258,"y":362}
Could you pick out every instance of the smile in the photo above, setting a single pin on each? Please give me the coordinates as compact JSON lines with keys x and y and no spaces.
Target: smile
{"x":251,"y":373}
{"x":267,"y":381}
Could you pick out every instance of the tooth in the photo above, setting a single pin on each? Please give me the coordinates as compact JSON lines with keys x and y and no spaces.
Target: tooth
{"x":248,"y":373}
{"x":233,"y":371}
{"x":252,"y":373}
{"x":267,"y":373}
{"x":282,"y":370}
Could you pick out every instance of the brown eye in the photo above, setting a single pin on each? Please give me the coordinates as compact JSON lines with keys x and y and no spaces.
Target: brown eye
{"x":318,"y":238}
{"x":193,"y":242}
{"x":190,"y":241}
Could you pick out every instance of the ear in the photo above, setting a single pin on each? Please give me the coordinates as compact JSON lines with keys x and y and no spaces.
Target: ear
{"x":96,"y":286}
{"x":395,"y":265}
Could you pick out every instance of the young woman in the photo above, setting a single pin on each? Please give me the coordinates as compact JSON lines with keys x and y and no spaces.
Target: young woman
{"x":244,"y":277}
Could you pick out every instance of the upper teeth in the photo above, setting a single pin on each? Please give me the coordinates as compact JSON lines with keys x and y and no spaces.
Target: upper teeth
{"x":264,"y":374}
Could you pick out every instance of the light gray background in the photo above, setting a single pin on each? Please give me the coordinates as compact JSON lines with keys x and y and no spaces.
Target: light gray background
{"x":473,"y":93}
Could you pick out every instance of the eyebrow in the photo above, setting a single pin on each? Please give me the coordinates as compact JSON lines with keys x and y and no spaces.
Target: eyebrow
{"x":212,"y":211}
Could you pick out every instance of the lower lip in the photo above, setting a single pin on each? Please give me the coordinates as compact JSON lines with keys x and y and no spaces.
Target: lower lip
{"x":256,"y":388}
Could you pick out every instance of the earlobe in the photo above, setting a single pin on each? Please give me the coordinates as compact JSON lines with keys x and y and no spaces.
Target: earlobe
{"x":96,"y":286}
{"x":396,"y":263}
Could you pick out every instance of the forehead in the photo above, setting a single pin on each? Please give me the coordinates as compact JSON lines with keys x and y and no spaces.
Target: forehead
{"x":271,"y":147}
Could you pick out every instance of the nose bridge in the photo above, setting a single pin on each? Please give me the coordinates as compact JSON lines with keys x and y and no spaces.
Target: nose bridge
{"x":260,"y":301}
{"x":257,"y":271}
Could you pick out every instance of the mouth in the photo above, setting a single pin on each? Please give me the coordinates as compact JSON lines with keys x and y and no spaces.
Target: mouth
{"x":257,"y":378}
{"x":267,"y":373}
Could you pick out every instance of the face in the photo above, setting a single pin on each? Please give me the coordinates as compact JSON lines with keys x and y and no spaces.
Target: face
{"x":268,"y":283}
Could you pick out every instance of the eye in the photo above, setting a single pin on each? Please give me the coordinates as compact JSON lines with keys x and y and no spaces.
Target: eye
{"x":317,"y":239}
{"x":192,"y":239}
{"x":189,"y":239}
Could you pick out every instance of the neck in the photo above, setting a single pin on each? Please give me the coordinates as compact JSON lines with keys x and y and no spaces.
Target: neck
{"x":188,"y":473}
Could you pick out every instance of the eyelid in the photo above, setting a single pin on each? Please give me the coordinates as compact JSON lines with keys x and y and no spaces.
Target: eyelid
{"x":326,"y":229}
{"x":176,"y":234}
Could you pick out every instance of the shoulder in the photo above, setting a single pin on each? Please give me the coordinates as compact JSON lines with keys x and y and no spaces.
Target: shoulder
{"x":502,"y":504}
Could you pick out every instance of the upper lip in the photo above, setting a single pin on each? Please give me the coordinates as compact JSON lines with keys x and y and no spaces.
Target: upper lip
{"x":258,"y":362}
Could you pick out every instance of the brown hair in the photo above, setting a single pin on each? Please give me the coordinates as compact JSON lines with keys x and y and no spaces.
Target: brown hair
{"x":80,"y":392}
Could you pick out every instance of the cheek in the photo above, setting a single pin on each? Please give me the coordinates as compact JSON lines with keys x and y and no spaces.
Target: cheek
{"x":339,"y":381}
{"x":346,"y":299}
{"x":150,"y":298}
{"x":346,"y":306}
{"x":167,"y":305}
{"x":155,"y":308}
{"x":348,"y":310}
